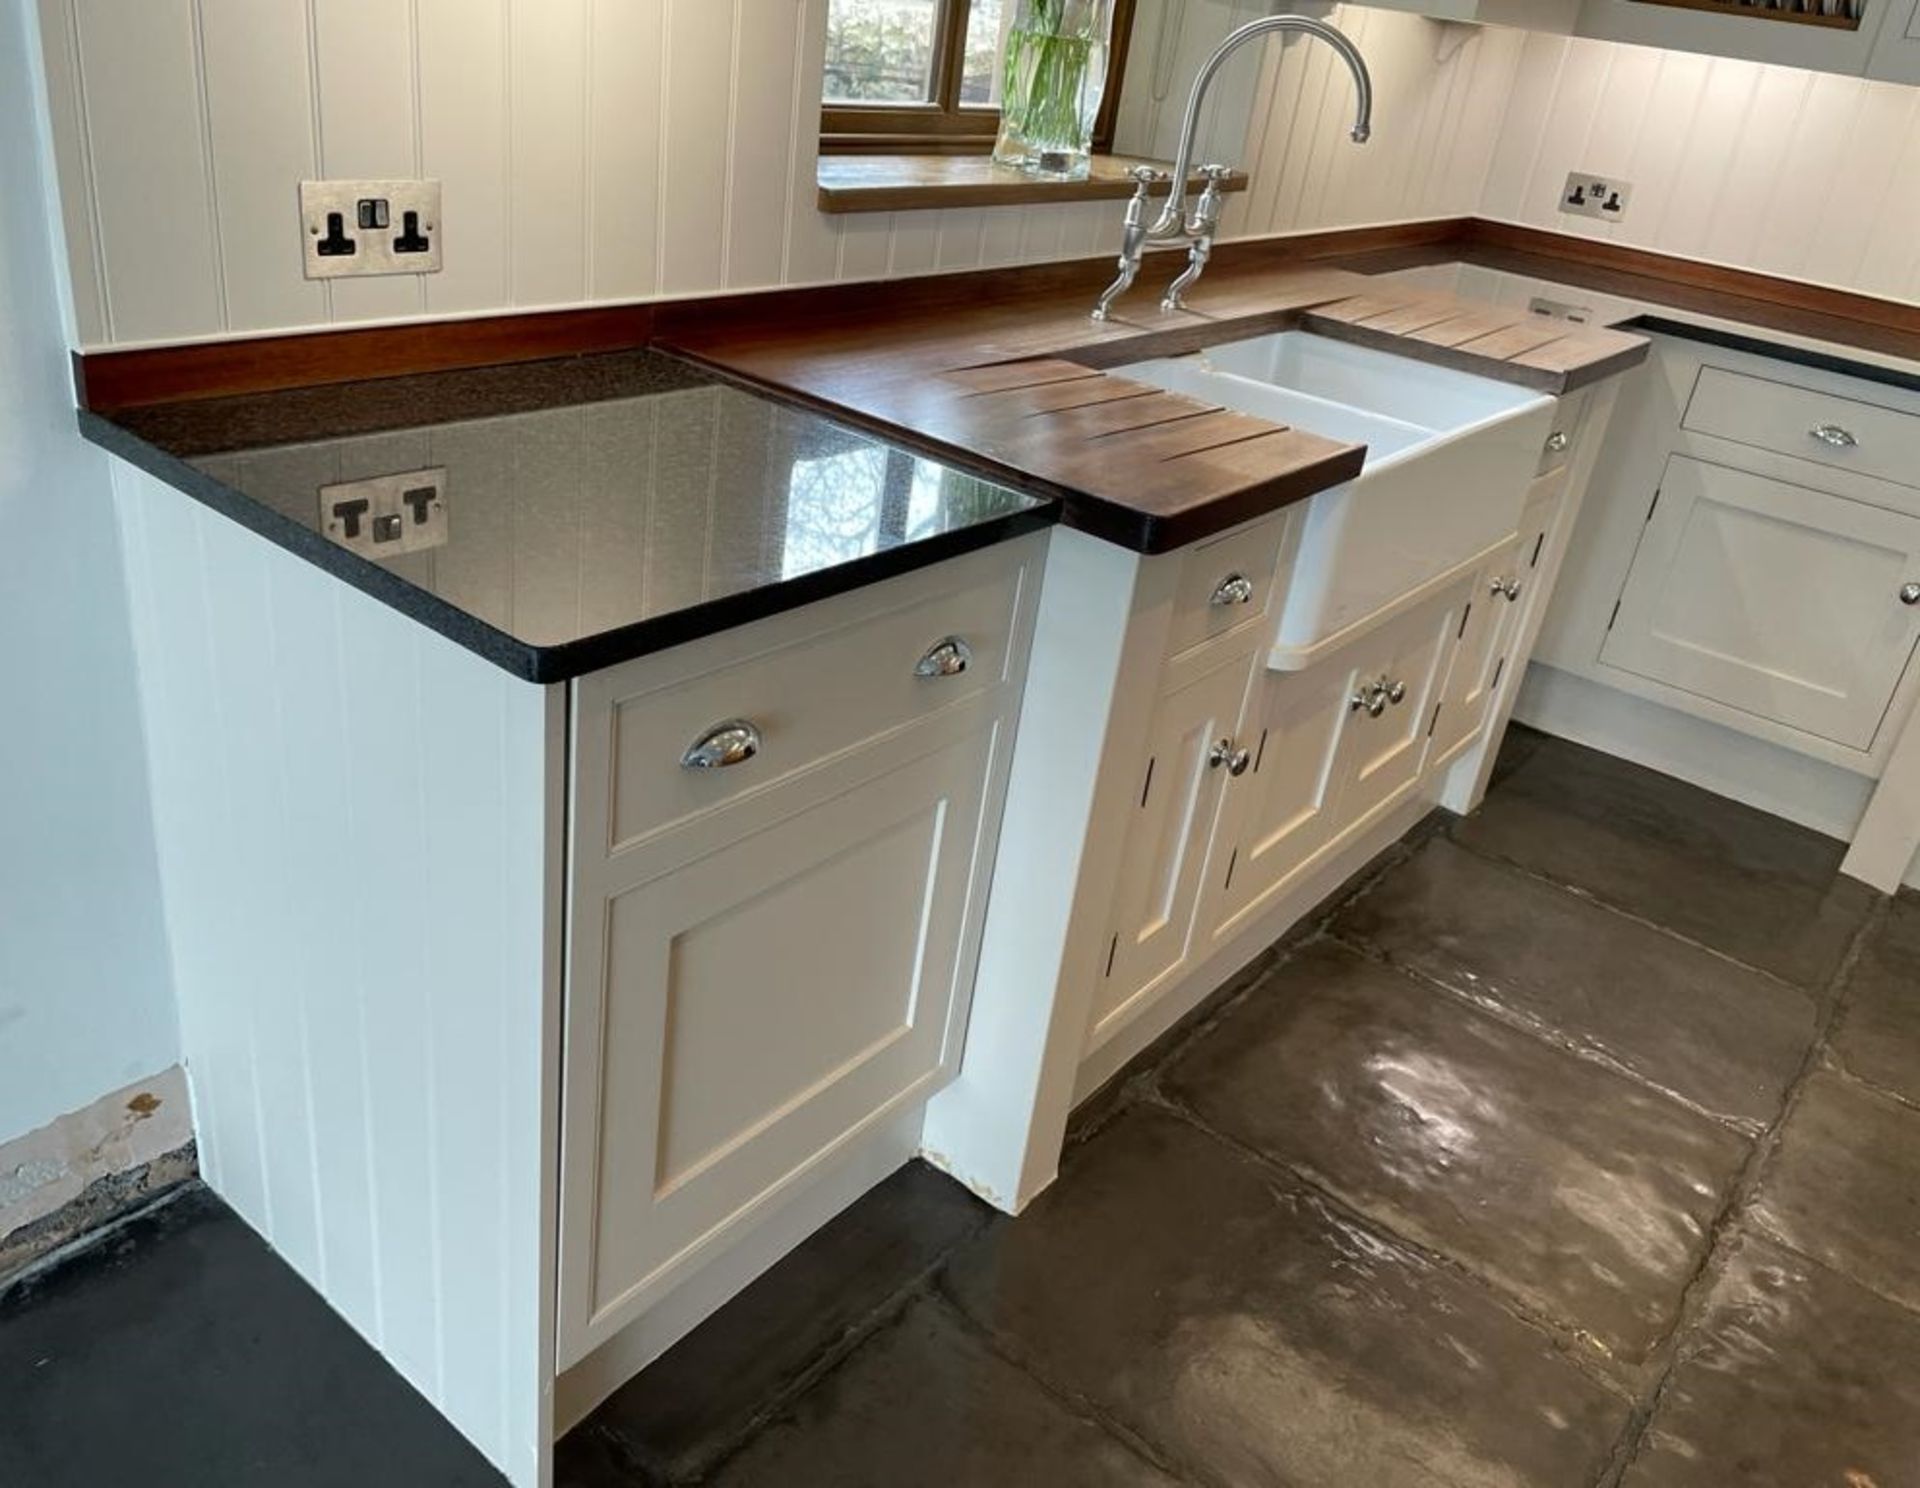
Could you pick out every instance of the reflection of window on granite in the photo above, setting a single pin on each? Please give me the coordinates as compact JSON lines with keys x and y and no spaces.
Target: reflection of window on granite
{"x":843,"y":506}
{"x":833,"y":509}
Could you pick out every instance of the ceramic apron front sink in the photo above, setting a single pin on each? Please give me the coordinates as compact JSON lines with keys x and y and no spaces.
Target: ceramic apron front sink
{"x":1449,"y":459}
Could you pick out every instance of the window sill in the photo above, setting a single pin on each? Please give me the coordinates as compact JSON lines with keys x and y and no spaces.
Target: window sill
{"x":907,"y":183}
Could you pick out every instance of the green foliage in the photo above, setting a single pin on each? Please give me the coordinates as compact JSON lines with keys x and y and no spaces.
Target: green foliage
{"x":879,"y":51}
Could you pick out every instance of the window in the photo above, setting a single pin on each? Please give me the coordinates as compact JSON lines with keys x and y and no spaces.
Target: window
{"x":924,"y":75}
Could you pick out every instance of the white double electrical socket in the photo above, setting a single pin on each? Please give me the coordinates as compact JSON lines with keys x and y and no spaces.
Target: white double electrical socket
{"x":350,"y":228}
{"x":1588,"y":195}
{"x":387,"y":515}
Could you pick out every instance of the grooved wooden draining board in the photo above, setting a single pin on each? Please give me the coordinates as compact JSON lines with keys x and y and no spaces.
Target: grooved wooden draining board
{"x":1014,"y":384}
{"x":1512,"y":344}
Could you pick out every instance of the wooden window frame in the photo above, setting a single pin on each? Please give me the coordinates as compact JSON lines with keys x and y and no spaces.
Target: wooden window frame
{"x":945,"y":126}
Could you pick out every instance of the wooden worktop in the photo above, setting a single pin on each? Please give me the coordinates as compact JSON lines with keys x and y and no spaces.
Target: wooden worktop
{"x":1015,"y":384}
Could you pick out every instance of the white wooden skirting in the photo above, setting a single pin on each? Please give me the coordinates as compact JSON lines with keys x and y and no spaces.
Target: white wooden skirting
{"x":354,"y":820}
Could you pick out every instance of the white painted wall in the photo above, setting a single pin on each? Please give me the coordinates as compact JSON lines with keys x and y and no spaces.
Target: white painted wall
{"x":1806,"y":174}
{"x":604,"y":150}
{"x":85,"y":1003}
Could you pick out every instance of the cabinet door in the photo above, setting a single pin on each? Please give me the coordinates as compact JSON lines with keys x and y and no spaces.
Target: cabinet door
{"x":1383,"y":754}
{"x":1287,"y":806}
{"x":755,"y":991}
{"x":1486,"y":629}
{"x":1771,"y":598}
{"x":1166,"y":842}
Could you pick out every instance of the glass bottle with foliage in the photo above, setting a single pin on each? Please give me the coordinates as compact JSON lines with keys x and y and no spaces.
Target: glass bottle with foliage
{"x":1054,"y":73}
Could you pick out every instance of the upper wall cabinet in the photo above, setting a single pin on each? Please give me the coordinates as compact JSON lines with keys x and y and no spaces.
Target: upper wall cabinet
{"x":1788,"y":38}
{"x":1533,"y":15}
{"x":1860,"y":38}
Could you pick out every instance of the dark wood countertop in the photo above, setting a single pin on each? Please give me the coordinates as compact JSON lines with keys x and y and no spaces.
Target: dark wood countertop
{"x":1018,"y":381}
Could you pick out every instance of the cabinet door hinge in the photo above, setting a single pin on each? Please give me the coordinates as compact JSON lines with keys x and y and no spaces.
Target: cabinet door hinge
{"x":1539,"y":542}
{"x":1653,"y":503}
{"x":1434,"y":722}
{"x":1112,"y":950}
{"x":1147,"y":785}
{"x":1234,"y":858}
{"x":1260,"y":751}
{"x":1614,"y":616}
{"x":1499,"y":667}
{"x":1464,"y":614}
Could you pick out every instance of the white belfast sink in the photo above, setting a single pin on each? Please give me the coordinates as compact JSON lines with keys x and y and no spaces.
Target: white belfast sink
{"x":1449,"y":459}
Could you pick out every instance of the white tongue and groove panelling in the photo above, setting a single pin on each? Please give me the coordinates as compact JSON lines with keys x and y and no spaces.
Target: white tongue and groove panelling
{"x":605,"y":150}
{"x":1805,"y":174}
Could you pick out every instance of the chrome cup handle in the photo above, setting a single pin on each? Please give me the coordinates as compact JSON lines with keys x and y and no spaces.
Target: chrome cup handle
{"x":1234,"y":589}
{"x":731,"y":743}
{"x":947,"y":657}
{"x":1834,"y":435}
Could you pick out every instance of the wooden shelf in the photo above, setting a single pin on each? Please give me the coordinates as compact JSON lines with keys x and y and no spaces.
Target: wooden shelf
{"x":1757,"y":13}
{"x":906,"y":183}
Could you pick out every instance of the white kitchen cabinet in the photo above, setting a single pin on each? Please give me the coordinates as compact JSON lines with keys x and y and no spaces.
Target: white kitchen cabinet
{"x":1735,"y":32}
{"x":1740,"y":566}
{"x":1776,"y":599}
{"x":1192,"y":755}
{"x":1286,"y":808}
{"x":1488,"y":623}
{"x":1385,"y":749}
{"x":1535,"y":15}
{"x":771,"y":957}
{"x":1333,"y":748}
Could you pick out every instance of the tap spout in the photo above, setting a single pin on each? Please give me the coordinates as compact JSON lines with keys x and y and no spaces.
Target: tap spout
{"x":1172,"y":219}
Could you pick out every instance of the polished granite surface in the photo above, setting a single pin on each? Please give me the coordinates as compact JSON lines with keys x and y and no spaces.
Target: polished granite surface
{"x":562,"y":516}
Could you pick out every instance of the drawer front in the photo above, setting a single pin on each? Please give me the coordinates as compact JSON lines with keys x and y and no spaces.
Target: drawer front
{"x":1773,"y":599}
{"x":806,"y":699}
{"x":1846,"y":433}
{"x":1225,"y":582}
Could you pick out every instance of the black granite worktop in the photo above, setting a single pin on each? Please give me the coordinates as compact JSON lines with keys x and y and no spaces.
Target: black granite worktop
{"x":558,"y":517}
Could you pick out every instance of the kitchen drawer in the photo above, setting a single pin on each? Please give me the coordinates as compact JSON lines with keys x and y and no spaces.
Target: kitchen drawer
{"x":1564,"y":436}
{"x":809,"y":698}
{"x":1225,"y":582}
{"x":1846,"y":433}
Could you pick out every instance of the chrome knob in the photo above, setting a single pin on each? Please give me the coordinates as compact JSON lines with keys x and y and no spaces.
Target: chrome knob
{"x":1910,"y":594}
{"x":1223,"y":753}
{"x":1234,"y":589}
{"x":1557,"y":441}
{"x":1372,"y":696}
{"x":1834,"y":435}
{"x":947,"y":657}
{"x":1396,"y":693}
{"x":731,"y":743}
{"x":1509,"y":588}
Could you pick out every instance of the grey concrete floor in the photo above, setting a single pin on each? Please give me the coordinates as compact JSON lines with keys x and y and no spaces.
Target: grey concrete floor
{"x":1577,"y":1144}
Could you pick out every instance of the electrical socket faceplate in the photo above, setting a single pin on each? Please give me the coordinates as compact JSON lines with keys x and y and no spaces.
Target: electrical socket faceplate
{"x":370,"y":227}
{"x":1588,"y":195}
{"x":1559,"y":310}
{"x":388,"y":514}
